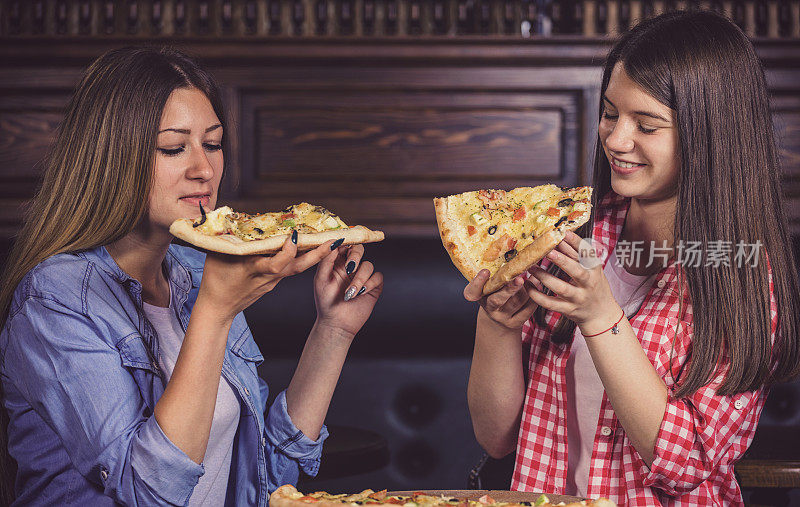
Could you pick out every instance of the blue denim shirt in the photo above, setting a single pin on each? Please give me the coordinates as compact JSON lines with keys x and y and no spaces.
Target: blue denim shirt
{"x":81,"y":381}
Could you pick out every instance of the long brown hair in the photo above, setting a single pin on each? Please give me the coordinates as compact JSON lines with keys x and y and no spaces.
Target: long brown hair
{"x":705,"y":69}
{"x":98,"y":173}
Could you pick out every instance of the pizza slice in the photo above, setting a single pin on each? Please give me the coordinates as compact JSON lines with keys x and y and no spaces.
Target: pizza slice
{"x":226,"y":231}
{"x":507,"y":232}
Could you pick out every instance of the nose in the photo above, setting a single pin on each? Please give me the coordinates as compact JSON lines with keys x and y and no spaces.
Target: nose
{"x":199,"y":165}
{"x":620,"y":139}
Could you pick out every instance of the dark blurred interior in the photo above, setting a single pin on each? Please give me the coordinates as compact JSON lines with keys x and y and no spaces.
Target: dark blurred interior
{"x":371,"y":108}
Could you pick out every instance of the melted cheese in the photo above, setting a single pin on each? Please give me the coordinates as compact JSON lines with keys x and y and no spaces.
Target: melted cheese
{"x":303,"y":217}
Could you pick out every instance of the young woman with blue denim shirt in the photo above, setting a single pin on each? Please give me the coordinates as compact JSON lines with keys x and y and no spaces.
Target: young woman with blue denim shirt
{"x":126,"y":360}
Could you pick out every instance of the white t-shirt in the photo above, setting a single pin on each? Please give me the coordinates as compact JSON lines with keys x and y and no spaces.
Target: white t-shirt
{"x":213,"y":485}
{"x":584,"y":388}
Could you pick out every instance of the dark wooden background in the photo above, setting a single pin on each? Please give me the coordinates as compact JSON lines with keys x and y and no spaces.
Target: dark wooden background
{"x":372,"y":108}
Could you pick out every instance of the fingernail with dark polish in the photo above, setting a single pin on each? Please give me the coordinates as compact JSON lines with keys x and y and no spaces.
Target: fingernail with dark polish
{"x":351,"y":266}
{"x":363,"y":290}
{"x":294,"y":236}
{"x":350,"y":294}
{"x":336,"y":244}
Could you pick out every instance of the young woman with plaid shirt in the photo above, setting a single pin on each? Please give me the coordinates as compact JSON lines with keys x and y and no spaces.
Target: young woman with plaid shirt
{"x":645,"y":383}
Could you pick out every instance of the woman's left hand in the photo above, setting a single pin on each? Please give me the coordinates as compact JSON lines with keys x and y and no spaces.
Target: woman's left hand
{"x":586,"y":299}
{"x":346,"y":290}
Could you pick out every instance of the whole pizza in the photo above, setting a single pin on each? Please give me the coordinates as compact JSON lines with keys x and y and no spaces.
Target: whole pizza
{"x":288,"y":496}
{"x":507,"y":232}
{"x":226,"y":231}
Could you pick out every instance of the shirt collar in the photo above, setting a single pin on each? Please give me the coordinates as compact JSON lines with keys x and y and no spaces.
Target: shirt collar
{"x":178,"y":273}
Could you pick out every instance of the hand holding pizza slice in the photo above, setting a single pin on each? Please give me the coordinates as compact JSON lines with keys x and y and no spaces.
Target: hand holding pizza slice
{"x":507,"y":232}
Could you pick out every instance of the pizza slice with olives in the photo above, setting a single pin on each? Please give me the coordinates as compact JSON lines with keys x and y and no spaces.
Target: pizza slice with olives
{"x":226,"y":231}
{"x":507,"y":232}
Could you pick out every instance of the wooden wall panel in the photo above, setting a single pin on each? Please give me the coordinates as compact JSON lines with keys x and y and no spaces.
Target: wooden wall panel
{"x":374,"y":139}
{"x":365,"y":149}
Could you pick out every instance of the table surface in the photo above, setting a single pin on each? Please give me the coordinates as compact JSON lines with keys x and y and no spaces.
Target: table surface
{"x":498,"y":495}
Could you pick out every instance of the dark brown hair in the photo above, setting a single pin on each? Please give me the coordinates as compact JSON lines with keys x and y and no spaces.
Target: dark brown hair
{"x":705,"y":69}
{"x":99,"y":170}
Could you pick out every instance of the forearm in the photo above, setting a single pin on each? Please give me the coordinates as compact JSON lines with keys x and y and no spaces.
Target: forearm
{"x":185,"y":410}
{"x":634,"y":388}
{"x":496,"y":388}
{"x":311,"y":388}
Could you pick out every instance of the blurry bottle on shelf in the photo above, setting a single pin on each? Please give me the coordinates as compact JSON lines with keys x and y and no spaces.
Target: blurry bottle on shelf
{"x":346,"y":15}
{"x":784,"y":19}
{"x":391,"y":17}
{"x":180,"y":16}
{"x":440,"y":17}
{"x":623,"y":16}
{"x":465,"y":17}
{"x":298,"y":17}
{"x":321,"y":17}
{"x":275,"y":17}
{"x":368,"y":17}
{"x":415,"y":17}
{"x":509,"y":17}
{"x":84,"y":17}
{"x":132,"y":18}
{"x":762,"y":18}
{"x":544,"y":24}
{"x":250,"y":17}
{"x":61,"y":16}
{"x":601,"y":17}
{"x":484,"y":15}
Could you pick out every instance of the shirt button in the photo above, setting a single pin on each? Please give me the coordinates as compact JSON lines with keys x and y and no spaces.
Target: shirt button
{"x":247,"y":391}
{"x":661,"y":284}
{"x":103,"y":474}
{"x":605,"y":431}
{"x":738,"y":404}
{"x":155,"y":365}
{"x":263,"y":442}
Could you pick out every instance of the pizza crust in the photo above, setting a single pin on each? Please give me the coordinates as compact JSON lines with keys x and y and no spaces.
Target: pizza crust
{"x":232,"y":245}
{"x":453,"y":246}
{"x":529,"y":256}
{"x":532,"y":254}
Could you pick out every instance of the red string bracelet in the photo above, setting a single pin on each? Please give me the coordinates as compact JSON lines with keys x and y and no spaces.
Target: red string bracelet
{"x":614,"y":329}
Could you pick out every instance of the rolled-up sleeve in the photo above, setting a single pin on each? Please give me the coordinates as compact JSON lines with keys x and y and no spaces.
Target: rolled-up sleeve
{"x":288,"y":449}
{"x":73,"y":378}
{"x":698,"y":435}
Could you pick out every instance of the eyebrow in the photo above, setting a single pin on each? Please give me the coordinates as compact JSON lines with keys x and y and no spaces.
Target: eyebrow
{"x":187,"y":131}
{"x":642,"y":113}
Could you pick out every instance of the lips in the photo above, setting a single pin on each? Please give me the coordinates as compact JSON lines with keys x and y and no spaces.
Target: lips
{"x":625,"y":168}
{"x":197,"y":199}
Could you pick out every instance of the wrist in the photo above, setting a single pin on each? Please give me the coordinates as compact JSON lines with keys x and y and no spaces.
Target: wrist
{"x":493,"y":327}
{"x":330,"y":330}
{"x":606,"y":321}
{"x":210,"y":311}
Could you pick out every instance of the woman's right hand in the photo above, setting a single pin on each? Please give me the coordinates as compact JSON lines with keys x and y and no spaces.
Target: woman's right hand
{"x":231,"y":283}
{"x":509,"y":307}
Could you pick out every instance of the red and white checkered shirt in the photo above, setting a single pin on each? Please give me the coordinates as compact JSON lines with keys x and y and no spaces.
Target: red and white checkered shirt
{"x":701,"y":435}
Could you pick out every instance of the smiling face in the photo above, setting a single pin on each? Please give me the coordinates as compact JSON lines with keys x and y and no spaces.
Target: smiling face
{"x":188,"y":159}
{"x":640,"y":139}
